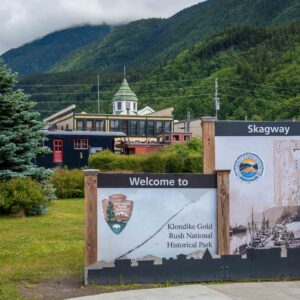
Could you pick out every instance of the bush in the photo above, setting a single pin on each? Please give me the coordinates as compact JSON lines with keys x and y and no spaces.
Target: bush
{"x":174,"y":163}
{"x":193,"y":164}
{"x":108,"y":161}
{"x":154,"y":163}
{"x":68,"y":183}
{"x":102,"y":160}
{"x":174,"y":159}
{"x":22,"y":196}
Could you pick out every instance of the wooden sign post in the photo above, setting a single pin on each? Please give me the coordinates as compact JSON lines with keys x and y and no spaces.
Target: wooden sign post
{"x":208,"y":139}
{"x":209,"y":166}
{"x":90,"y":205}
{"x":223,"y":212}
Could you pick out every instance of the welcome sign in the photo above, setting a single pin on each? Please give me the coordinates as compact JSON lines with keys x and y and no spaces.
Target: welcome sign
{"x":163,"y":215}
{"x":264,"y":159}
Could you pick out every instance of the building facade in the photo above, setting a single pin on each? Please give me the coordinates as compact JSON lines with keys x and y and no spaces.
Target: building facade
{"x":141,"y":125}
{"x":73,"y":148}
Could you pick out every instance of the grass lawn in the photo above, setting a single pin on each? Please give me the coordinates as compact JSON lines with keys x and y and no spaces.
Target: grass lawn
{"x":45,"y":247}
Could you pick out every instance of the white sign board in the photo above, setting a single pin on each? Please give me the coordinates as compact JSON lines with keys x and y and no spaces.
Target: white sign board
{"x":264,"y":159}
{"x":163,"y":215}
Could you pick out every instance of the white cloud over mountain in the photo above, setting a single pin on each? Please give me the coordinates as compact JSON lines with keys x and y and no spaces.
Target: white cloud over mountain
{"x":22,"y":21}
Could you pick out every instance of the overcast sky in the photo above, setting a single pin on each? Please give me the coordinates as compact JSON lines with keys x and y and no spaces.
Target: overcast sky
{"x":22,"y":21}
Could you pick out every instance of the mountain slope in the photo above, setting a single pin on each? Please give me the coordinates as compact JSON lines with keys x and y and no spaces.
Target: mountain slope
{"x":42,"y":54}
{"x":258,"y":71}
{"x":146,"y":43}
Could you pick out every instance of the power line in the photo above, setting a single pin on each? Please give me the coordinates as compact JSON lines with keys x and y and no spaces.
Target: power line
{"x":110,"y":84}
{"x":109,"y":100}
{"x":257,"y":84}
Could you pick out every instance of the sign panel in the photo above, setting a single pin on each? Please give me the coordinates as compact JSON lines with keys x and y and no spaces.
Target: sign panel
{"x":163,"y":215}
{"x":264,"y":159}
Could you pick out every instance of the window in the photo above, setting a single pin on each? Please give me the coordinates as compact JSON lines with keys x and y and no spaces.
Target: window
{"x":167,"y":138}
{"x":133,"y":128}
{"x":150,"y":128}
{"x":114,"y":125}
{"x":119,"y":105}
{"x":79,"y":125}
{"x":80,"y":144}
{"x":186,"y":138}
{"x":127,"y":105}
{"x":100,"y":125}
{"x":167,"y":126}
{"x":176,"y":138}
{"x":89,"y":125}
{"x":62,"y":127}
{"x":159,"y":127}
{"x":124,"y":126}
{"x":134,"y":105}
{"x":142,"y":128}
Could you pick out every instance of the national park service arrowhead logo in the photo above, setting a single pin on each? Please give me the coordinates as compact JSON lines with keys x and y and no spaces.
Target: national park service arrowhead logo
{"x":117,"y":211}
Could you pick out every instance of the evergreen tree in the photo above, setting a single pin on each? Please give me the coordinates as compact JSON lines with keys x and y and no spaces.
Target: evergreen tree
{"x":110,"y":214}
{"x":20,"y":131}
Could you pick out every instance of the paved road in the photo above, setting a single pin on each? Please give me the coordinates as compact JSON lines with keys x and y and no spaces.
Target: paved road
{"x":227,"y":291}
{"x":287,"y":290}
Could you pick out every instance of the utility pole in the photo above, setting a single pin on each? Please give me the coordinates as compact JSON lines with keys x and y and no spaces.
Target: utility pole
{"x":188,"y":121}
{"x":217,"y":99}
{"x":98,"y":94}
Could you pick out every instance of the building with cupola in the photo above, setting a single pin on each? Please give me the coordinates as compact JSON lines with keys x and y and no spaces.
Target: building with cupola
{"x":139,"y":124}
{"x":125,"y":101}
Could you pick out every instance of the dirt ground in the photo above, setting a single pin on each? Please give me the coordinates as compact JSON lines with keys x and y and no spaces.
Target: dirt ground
{"x":69,"y":288}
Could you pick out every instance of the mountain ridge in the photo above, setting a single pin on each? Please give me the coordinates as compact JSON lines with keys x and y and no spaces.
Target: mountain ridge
{"x":173,"y":35}
{"x":42,"y":54}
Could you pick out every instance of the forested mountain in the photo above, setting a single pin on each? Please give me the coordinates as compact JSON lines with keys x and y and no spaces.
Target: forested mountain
{"x":42,"y":54}
{"x":258,"y":71}
{"x":252,"y":46}
{"x":146,"y":43}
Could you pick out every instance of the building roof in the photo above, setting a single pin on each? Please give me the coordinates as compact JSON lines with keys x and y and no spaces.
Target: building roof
{"x":162,"y":113}
{"x":60,"y":113}
{"x":145,"y":111}
{"x":125,"y":93}
{"x":85,"y":133}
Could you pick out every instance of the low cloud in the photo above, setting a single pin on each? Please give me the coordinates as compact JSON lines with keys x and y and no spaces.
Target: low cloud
{"x":23,"y":21}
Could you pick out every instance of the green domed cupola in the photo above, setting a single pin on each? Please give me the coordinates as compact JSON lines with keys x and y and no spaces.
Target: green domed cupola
{"x":125,"y":100}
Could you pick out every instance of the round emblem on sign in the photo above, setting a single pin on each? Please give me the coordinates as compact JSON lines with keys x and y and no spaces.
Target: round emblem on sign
{"x":248,"y":167}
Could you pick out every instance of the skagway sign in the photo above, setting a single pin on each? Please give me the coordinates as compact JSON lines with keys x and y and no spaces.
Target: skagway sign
{"x":264,"y":159}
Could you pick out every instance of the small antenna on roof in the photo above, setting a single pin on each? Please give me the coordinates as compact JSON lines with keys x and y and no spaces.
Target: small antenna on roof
{"x":124,"y":72}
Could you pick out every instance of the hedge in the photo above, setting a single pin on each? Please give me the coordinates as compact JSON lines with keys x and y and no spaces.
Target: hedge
{"x":156,"y":162}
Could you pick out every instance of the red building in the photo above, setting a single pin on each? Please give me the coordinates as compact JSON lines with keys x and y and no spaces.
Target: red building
{"x":163,"y":140}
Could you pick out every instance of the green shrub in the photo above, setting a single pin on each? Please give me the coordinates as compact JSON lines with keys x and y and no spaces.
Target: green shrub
{"x":154,"y":163}
{"x":68,"y":183}
{"x":108,"y":161}
{"x":175,"y":159}
{"x":102,"y":160}
{"x":173,"y":163}
{"x":22,"y":196}
{"x":193,"y":163}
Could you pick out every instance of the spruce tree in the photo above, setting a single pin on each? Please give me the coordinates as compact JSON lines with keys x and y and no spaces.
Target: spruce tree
{"x":20,"y":131}
{"x":110,"y":214}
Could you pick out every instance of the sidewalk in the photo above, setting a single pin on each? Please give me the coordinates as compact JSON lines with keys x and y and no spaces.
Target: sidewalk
{"x":228,"y":291}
